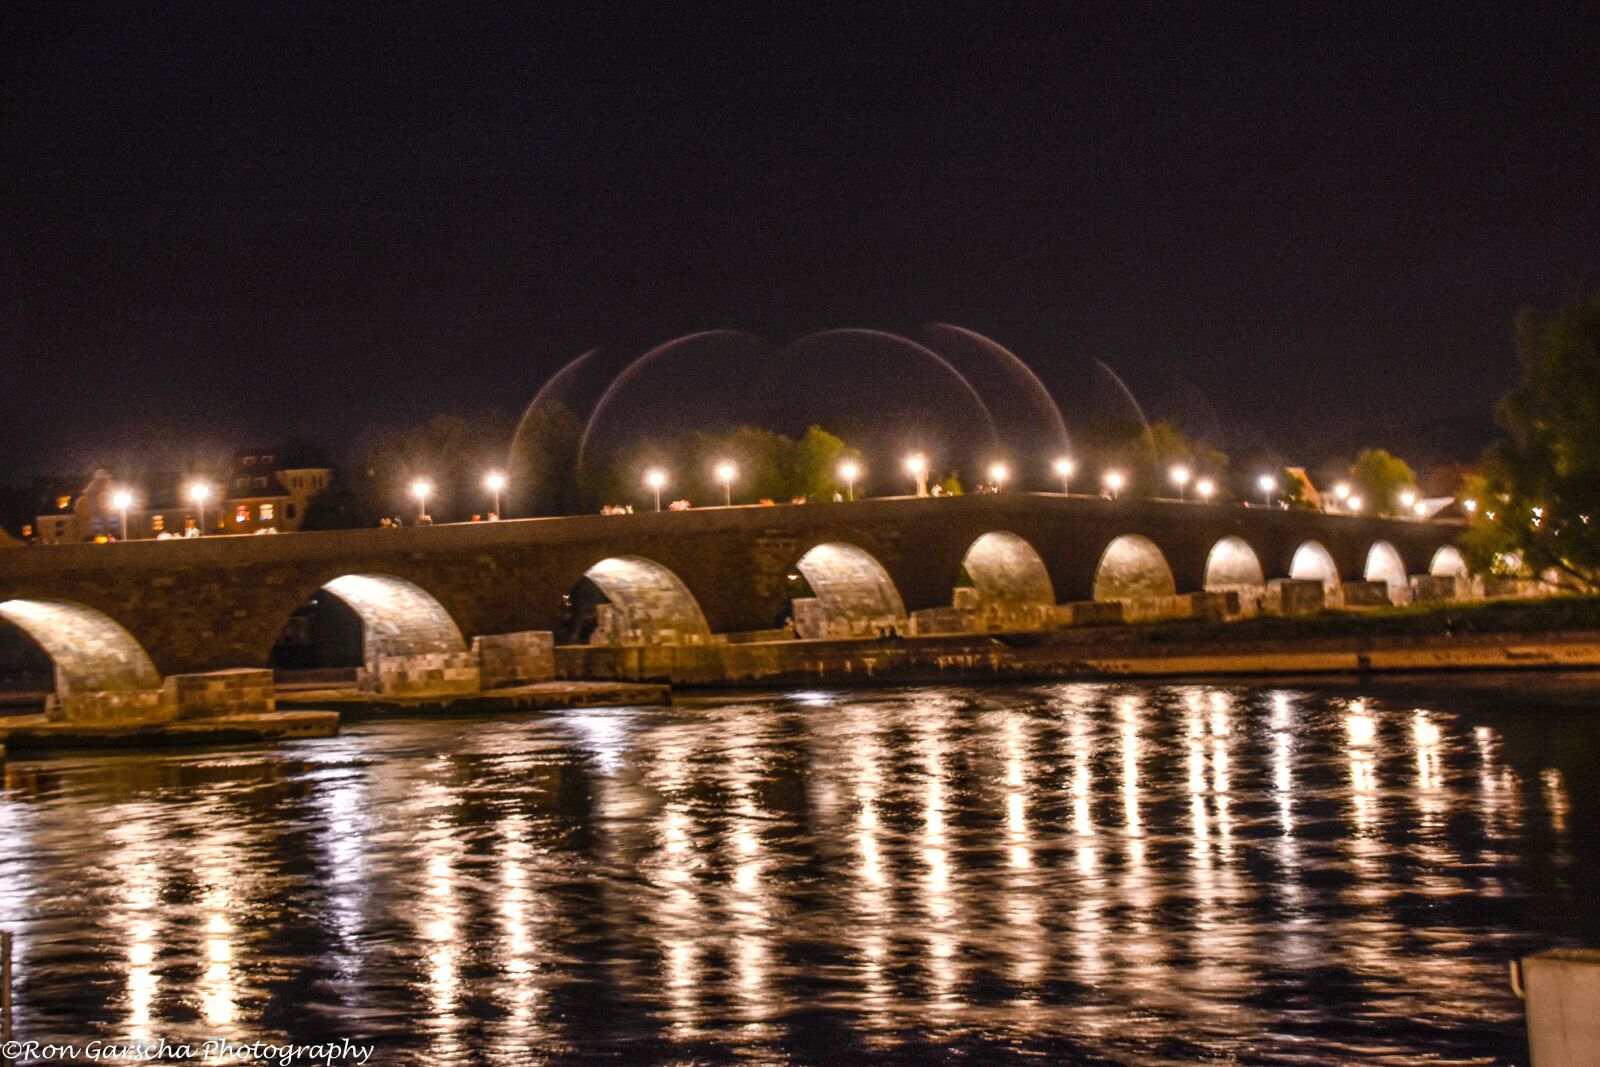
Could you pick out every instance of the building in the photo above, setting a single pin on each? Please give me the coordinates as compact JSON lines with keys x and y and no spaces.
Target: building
{"x":260,"y":494}
{"x":270,"y":489}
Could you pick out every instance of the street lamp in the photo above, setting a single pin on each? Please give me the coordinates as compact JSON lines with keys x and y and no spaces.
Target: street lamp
{"x":1205,"y":487}
{"x":655,"y":480}
{"x":1065,"y":469}
{"x":918,"y":466}
{"x":200,"y":492}
{"x":1469,"y":506}
{"x":1267,"y":484}
{"x":1355,"y":505}
{"x":1342,"y":491}
{"x":725,"y":473}
{"x":849,"y":471}
{"x":122,"y":500}
{"x":997,"y":475}
{"x":1180,"y":478}
{"x":1114,"y":482}
{"x":1421,"y":508}
{"x":1408,"y":499}
{"x":421,"y":489}
{"x":496,"y":484}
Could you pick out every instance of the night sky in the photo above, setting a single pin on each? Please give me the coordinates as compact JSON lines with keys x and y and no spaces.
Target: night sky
{"x":228,"y":223}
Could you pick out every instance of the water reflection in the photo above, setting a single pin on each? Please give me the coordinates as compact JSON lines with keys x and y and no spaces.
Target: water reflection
{"x":1094,"y":873}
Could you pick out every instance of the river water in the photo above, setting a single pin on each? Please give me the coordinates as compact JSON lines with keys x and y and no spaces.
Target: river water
{"x":1089,"y":873}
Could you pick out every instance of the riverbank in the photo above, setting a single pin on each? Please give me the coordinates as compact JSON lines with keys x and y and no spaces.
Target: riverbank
{"x":1555,"y":634}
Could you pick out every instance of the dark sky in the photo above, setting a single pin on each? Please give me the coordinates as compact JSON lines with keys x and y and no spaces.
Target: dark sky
{"x":233,"y":221}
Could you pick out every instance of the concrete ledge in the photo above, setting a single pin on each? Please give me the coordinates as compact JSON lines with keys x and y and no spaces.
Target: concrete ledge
{"x":222,"y":693}
{"x":429,"y":674}
{"x":1367,"y":595}
{"x":520,"y":658}
{"x":1081,"y":655}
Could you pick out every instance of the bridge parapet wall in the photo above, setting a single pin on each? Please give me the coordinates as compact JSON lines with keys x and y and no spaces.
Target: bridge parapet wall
{"x":220,"y":602}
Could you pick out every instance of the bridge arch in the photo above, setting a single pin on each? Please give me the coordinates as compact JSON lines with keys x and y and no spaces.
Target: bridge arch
{"x":1448,"y":562}
{"x":100,"y":668}
{"x":364,"y":618}
{"x":1385,"y":565}
{"x":1007,"y":578}
{"x":840,"y":590}
{"x":1132,"y":567}
{"x":1313,"y":562}
{"x":640,"y":602}
{"x":1233,"y":566}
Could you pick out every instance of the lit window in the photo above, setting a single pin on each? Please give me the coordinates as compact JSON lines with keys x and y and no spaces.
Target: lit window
{"x":266,"y":512}
{"x":158,"y":523}
{"x":241,"y":514}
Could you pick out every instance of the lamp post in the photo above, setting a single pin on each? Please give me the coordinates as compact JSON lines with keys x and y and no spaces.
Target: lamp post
{"x":496,"y":484}
{"x":1114,"y":482}
{"x":1204,"y":488}
{"x":725,"y":475}
{"x":1421,"y":509}
{"x":655,"y":480}
{"x":918,"y":466}
{"x":1354,"y":504}
{"x":1342,"y":491}
{"x":421,"y":488}
{"x":122,"y":501}
{"x":1408,"y":499}
{"x":1065,"y":469}
{"x":849,"y":471}
{"x":200,"y":492}
{"x":1180,"y":478}
{"x":1267,"y":484}
{"x":997,"y":474}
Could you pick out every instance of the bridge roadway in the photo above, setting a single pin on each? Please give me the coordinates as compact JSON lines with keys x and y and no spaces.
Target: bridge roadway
{"x":183,"y":606}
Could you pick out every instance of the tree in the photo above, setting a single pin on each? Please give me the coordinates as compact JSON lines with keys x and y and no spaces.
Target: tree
{"x":1379,"y":478}
{"x":769,"y":466}
{"x":1542,"y":481}
{"x":1148,"y":453}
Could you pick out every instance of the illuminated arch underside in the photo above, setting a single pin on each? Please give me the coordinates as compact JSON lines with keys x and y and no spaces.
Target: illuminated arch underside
{"x":651,"y":603}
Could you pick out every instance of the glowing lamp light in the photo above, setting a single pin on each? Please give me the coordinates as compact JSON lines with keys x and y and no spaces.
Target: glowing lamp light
{"x":917,"y":465}
{"x":495,"y":482}
{"x":1180,"y":477}
{"x":850,"y":471}
{"x":1421,"y":509}
{"x":1268,"y":485}
{"x":998,"y":472}
{"x":725,"y":475}
{"x":122,"y":500}
{"x":1355,"y":503}
{"x":1408,"y":499}
{"x":1205,"y":487}
{"x":1470,"y":506}
{"x":200,"y":492}
{"x":1342,"y":490}
{"x":656,"y":480}
{"x":1114,"y":481}
{"x":1065,"y":468}
{"x":422,"y":489}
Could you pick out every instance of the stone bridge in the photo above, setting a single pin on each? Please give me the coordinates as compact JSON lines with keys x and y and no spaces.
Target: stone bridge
{"x":127,"y":615}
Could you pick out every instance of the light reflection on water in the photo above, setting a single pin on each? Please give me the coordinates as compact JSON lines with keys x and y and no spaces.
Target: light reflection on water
{"x":1099,"y":873}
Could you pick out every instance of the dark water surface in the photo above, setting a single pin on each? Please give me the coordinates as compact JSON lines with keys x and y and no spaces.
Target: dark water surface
{"x":1089,"y":873}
